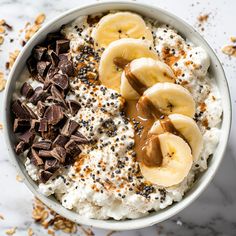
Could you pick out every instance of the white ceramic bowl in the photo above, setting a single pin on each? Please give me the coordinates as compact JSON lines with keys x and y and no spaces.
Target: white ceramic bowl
{"x":215,"y":69}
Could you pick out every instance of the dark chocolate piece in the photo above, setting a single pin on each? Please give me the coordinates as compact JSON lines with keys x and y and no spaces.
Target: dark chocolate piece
{"x":32,"y":65}
{"x":52,"y":37}
{"x":50,"y":134}
{"x":21,"y":125}
{"x":69,"y":128}
{"x":59,"y":153}
{"x":52,"y":57}
{"x":60,"y":141}
{"x":57,"y":94}
{"x":74,"y":106}
{"x":27,"y":90}
{"x":34,"y":157}
{"x":66,"y":67}
{"x":43,"y":125}
{"x":52,"y":71}
{"x":39,"y":52}
{"x":43,"y":144}
{"x":62,"y":46}
{"x":45,"y":175}
{"x":40,"y":108}
{"x":20,"y":147}
{"x":19,"y":111}
{"x":39,"y":95}
{"x":72,"y":148}
{"x":31,"y":113}
{"x":27,"y":137}
{"x":54,"y":114}
{"x":60,"y":80}
{"x":79,"y":138}
{"x":52,"y":165}
{"x":42,"y":68}
{"x":45,"y":153}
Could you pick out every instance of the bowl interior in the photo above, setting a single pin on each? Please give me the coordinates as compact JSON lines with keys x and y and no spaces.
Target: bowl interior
{"x":187,"y":32}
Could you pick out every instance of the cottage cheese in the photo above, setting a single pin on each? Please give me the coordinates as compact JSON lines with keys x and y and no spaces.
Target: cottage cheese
{"x":106,"y":181}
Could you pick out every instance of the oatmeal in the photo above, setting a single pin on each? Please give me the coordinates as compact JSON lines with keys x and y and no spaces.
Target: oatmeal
{"x":116,"y":121}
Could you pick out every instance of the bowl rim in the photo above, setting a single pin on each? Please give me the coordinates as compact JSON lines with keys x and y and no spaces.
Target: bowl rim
{"x":149,"y":219}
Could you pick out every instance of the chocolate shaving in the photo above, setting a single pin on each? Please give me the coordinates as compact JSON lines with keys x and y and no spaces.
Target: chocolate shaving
{"x":51,"y":165}
{"x":20,"y":147}
{"x":39,"y":52}
{"x":45,"y":175}
{"x":54,"y":114}
{"x":66,"y":67}
{"x":27,"y":90}
{"x":60,"y":140}
{"x":27,"y":137}
{"x":62,"y":46}
{"x":60,"y":80}
{"x":72,"y":148}
{"x":69,"y":128}
{"x":43,"y":144}
{"x":74,"y":106}
{"x":21,"y":125}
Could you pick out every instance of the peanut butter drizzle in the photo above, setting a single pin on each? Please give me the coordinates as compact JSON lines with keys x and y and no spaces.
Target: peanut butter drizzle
{"x":120,"y":62}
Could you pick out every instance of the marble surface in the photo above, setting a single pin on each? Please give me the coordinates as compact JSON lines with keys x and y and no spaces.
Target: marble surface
{"x":214,"y":213}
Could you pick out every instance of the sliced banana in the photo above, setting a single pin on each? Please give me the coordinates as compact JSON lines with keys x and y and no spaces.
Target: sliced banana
{"x":149,"y":72}
{"x":171,"y":98}
{"x":176,"y":164}
{"x":121,"y":51}
{"x":120,"y":25}
{"x":187,"y":127}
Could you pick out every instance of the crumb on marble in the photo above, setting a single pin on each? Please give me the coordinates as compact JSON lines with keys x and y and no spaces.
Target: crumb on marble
{"x":203,"y":18}
{"x":111,"y":233}
{"x":19,"y":178}
{"x":1,"y":217}
{"x":30,"y":232}
{"x":229,"y":50}
{"x":2,"y":82}
{"x":233,"y":39}
{"x":11,"y":231}
{"x":12,"y":59}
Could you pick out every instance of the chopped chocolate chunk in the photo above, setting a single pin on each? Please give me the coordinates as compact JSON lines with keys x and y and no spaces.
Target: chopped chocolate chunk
{"x":39,"y":52}
{"x":52,"y":57}
{"x":19,"y":111}
{"x":27,"y":137}
{"x":45,"y":153}
{"x":62,"y":46}
{"x":32,"y":65}
{"x":43,"y":125}
{"x":72,"y":148}
{"x":66,"y":67}
{"x":54,"y":114}
{"x":60,"y":140}
{"x":79,"y":138}
{"x":34,"y":157}
{"x":39,"y":95}
{"x":20,"y":147}
{"x":45,"y":175}
{"x":52,"y":71}
{"x":50,"y":134}
{"x":42,"y":68}
{"x":63,"y":56}
{"x":52,"y":165}
{"x":59,"y":153}
{"x":56,"y":93}
{"x":40,"y":108}
{"x":43,"y":144}
{"x":34,"y":124}
{"x":60,"y":80}
{"x":31,"y":113}
{"x":27,"y":90}
{"x":69,"y":128}
{"x":74,"y":106}
{"x":52,"y":37}
{"x":21,"y":125}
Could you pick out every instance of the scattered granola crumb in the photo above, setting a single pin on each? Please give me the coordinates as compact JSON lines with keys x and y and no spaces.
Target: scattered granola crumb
{"x":19,"y":178}
{"x":1,"y":217}
{"x":2,"y":81}
{"x":203,"y":18}
{"x":111,"y":233}
{"x":2,"y":22}
{"x":30,"y":232}
{"x":1,"y":126}
{"x":88,"y":232}
{"x":233,"y":39}
{"x":11,"y":231}
{"x":12,"y":58}
{"x":40,"y":19}
{"x":51,"y":220}
{"x":229,"y":50}
{"x":1,"y":40}
{"x":2,"y":30}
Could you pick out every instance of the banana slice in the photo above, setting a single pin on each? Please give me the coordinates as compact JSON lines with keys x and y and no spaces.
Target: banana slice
{"x":148,"y":72}
{"x":171,"y":98}
{"x":176,"y":164}
{"x":187,"y":127}
{"x":117,"y":55}
{"x":120,"y":25}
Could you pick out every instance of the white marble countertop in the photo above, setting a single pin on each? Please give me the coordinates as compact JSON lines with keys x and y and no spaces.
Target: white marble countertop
{"x":214,"y":213}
